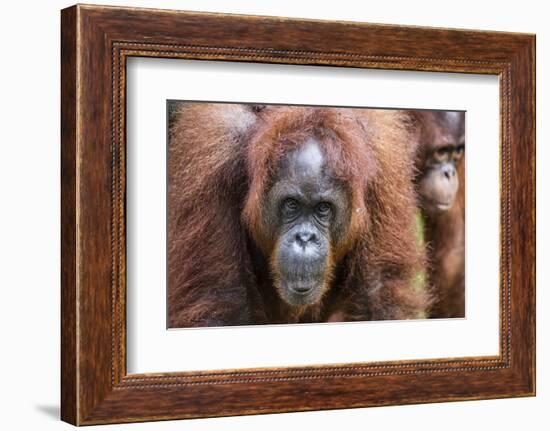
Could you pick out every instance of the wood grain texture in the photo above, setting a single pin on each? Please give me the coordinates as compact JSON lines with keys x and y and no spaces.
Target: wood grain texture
{"x":69,"y":397}
{"x":96,"y":41}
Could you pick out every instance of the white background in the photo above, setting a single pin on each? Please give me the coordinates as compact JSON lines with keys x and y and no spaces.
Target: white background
{"x":151,"y":348}
{"x":29,"y":216}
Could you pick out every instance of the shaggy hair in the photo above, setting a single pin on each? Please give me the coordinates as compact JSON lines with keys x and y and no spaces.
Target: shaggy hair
{"x":222,"y":159}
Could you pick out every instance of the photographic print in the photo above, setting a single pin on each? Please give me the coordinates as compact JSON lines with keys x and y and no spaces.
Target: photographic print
{"x":240,"y":207}
{"x":284,"y":214}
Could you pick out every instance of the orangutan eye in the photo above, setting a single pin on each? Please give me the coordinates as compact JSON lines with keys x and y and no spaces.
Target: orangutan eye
{"x":324,"y":209}
{"x":290,"y":204}
{"x":441,"y":155}
{"x":458,"y":152}
{"x":290,"y":207}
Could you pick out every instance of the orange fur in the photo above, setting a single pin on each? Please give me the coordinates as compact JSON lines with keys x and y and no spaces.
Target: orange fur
{"x":222,"y":159}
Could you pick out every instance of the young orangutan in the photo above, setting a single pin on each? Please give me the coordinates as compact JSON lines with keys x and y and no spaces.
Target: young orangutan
{"x":441,"y":191}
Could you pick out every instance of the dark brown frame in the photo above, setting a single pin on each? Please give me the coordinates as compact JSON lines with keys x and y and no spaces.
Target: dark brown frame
{"x":95,"y":43}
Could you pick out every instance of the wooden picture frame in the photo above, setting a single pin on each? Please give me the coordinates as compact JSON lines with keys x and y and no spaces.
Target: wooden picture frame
{"x":95,"y":43}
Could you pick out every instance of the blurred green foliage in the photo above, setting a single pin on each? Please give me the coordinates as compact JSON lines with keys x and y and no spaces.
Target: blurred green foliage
{"x":419,"y":279}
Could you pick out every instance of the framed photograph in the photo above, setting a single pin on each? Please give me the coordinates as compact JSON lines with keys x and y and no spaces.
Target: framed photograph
{"x":263,"y":214}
